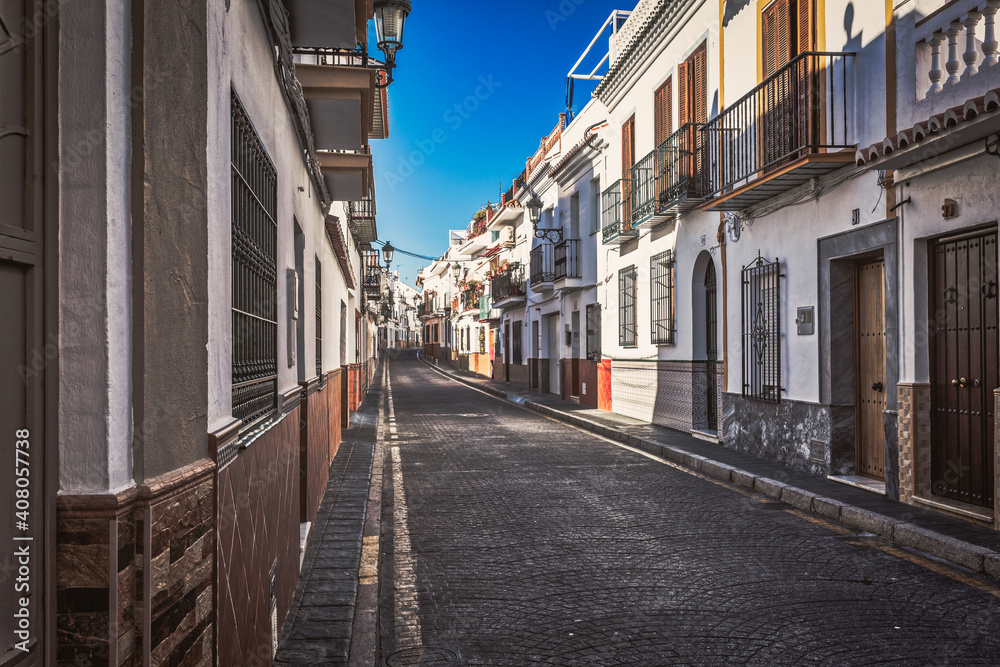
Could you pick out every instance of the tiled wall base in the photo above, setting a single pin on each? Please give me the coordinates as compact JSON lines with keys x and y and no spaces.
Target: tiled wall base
{"x":668,"y":393}
{"x":914,"y":440}
{"x":134,"y":573}
{"x":258,"y":529}
{"x":314,"y":449}
{"x":335,"y":401}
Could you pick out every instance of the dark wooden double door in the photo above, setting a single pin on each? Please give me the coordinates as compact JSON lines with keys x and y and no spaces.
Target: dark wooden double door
{"x":964,"y":366}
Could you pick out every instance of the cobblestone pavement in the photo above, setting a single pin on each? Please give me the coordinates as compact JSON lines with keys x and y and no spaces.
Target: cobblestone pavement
{"x":512,"y":539}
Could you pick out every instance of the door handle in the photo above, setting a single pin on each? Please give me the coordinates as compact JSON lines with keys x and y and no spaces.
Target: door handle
{"x":878,"y":386}
{"x":961,"y":383}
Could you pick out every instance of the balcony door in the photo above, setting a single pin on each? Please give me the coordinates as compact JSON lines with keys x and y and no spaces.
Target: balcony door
{"x":628,"y":159}
{"x":692,"y":102}
{"x":787,"y":28}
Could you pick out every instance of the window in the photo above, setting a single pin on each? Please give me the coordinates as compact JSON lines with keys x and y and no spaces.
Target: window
{"x":515,"y":345}
{"x":495,"y":236}
{"x":761,"y":329}
{"x":626,"y":307}
{"x":594,"y":332}
{"x":662,"y":273}
{"x":319,"y":317}
{"x":692,"y":87}
{"x":255,"y":272}
{"x":663,"y":107}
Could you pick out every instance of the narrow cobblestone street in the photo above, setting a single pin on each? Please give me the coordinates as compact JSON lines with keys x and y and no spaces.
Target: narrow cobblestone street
{"x":511,"y":539}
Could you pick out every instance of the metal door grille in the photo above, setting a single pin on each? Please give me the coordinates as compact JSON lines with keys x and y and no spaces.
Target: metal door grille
{"x":761,"y":328}
{"x":319,"y":317}
{"x":255,"y":276}
{"x":662,"y":269}
{"x":626,"y":307}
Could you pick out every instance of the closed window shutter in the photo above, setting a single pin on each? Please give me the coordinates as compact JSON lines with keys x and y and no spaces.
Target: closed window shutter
{"x":682,"y":93}
{"x":699,"y":77}
{"x":663,"y":107}
{"x":806,"y":122}
{"x":628,"y":159}
{"x":777,"y":53}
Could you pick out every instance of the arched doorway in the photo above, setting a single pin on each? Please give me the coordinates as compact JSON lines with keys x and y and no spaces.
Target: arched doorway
{"x":711,"y":347}
{"x":705,"y":344}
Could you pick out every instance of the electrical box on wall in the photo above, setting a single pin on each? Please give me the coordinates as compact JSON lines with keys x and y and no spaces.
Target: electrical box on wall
{"x":806,"y":321}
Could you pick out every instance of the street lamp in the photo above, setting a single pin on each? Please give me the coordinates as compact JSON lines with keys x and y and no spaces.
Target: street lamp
{"x":387,"y":252}
{"x":456,"y":271}
{"x":390,"y":18}
{"x":534,"y":207}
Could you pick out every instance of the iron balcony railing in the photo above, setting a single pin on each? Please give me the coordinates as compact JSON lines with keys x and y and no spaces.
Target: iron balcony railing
{"x":616,"y":212}
{"x":543,"y":266}
{"x":568,"y":259}
{"x":678,"y":166}
{"x":798,"y":111}
{"x":508,"y":284}
{"x":469,"y":300}
{"x":422,"y":310}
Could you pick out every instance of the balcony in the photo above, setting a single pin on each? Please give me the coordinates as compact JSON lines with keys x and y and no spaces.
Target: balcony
{"x":507,"y":287}
{"x":567,"y":263}
{"x":616,"y":214}
{"x":330,"y":23}
{"x":786,"y":131}
{"x":469,"y":300}
{"x":373,"y":278}
{"x":341,"y":101}
{"x":348,"y":174}
{"x":423,"y":311}
{"x":543,"y":268}
{"x":666,"y":183}
{"x":361,"y":218}
{"x":486,"y":311}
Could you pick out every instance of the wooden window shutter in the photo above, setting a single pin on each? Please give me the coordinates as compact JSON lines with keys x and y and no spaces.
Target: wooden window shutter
{"x":682,"y":93}
{"x":699,"y":77}
{"x":628,"y":146}
{"x":777,"y":36}
{"x":807,"y":125}
{"x":663,"y":111}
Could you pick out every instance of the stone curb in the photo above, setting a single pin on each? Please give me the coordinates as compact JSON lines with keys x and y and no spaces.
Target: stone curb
{"x":976,"y":558}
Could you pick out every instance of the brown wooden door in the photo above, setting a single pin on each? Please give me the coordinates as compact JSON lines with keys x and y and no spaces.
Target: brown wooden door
{"x":25,"y":359}
{"x":869,"y":324}
{"x":964,"y":367}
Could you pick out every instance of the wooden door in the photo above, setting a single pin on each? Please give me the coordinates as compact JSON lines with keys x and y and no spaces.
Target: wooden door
{"x":777,"y":25}
{"x":870,"y":390}
{"x":964,"y":367}
{"x":26,"y":356}
{"x":711,"y":346}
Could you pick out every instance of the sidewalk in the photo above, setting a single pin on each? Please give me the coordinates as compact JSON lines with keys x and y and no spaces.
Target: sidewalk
{"x":960,"y":542}
{"x":322,"y":619}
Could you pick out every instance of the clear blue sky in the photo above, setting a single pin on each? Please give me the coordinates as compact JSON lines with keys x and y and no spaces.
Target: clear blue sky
{"x":504,"y":64}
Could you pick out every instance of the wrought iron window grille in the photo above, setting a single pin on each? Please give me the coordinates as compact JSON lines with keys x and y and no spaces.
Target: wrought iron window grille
{"x":627,"y":307}
{"x":761,"y":329}
{"x":255,"y":274}
{"x":662,"y":274}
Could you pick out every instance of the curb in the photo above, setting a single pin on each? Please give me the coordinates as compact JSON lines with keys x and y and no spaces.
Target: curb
{"x":975,"y":558}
